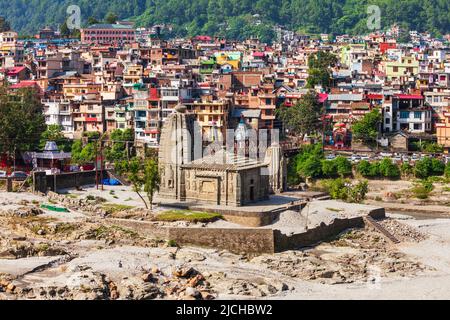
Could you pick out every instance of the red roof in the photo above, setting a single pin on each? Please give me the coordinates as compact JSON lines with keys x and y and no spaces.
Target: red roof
{"x":409,"y":96}
{"x":14,"y":71}
{"x":372,"y":96}
{"x":323,"y":97}
{"x":203,"y":38}
{"x":24,"y":84}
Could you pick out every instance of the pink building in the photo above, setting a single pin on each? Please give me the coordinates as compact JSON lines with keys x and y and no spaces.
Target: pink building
{"x":108,"y":34}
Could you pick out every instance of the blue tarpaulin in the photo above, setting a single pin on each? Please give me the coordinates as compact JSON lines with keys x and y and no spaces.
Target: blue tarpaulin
{"x":111,"y":182}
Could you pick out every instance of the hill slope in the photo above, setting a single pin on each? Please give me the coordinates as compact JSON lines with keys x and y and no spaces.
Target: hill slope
{"x":238,"y":18}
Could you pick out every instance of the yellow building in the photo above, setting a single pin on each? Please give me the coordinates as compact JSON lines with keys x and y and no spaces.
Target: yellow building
{"x":234,"y":59}
{"x":403,"y":68}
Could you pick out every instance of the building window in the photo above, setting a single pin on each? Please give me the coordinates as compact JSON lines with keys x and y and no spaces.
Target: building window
{"x":417,"y":126}
{"x":388,"y":121}
{"x":404,"y":114}
{"x":417,"y":115}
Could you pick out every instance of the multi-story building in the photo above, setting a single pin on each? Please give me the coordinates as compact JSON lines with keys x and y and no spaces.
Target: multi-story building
{"x":111,"y":34}
{"x":410,"y":113}
{"x":58,"y":111}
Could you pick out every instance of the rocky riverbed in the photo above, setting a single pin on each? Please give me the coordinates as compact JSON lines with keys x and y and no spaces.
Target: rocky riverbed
{"x":75,"y":255}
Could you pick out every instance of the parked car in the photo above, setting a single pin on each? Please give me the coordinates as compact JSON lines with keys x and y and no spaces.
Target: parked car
{"x":19,"y":175}
{"x":365,"y":157}
{"x":3,"y":174}
{"x":330,"y":157}
{"x":386,"y":155}
{"x":355,"y":158}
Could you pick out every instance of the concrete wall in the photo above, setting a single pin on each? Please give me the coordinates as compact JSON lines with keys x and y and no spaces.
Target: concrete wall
{"x":234,"y":240}
{"x":316,"y":235}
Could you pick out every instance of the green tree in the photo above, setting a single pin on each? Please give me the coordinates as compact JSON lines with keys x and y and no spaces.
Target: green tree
{"x":437,"y":167}
{"x":389,"y":169}
{"x":121,"y":142}
{"x":151,"y":180}
{"x":357,"y":194}
{"x":302,"y":118}
{"x":91,"y":21}
{"x":21,"y":121}
{"x":344,"y":166}
{"x":329,"y":168}
{"x":363,"y":168}
{"x":366,"y":130}
{"x":54,"y":133}
{"x":447,"y":170}
{"x":406,"y":170}
{"x":319,"y":72}
{"x":423,"y":168}
{"x":136,"y":177}
{"x":111,"y":18}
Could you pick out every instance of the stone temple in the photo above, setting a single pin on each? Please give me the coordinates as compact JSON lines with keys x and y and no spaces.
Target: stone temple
{"x":221,"y":178}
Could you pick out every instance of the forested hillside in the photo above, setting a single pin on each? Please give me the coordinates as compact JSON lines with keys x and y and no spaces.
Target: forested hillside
{"x":238,"y":18}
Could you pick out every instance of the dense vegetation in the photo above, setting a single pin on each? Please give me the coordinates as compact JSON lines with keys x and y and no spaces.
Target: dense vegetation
{"x":238,"y":18}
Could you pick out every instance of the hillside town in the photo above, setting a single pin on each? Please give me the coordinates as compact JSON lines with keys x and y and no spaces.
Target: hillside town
{"x":138,"y":166}
{"x":118,"y":77}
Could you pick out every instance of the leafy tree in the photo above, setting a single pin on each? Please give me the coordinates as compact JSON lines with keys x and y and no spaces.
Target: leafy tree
{"x":151,"y":180}
{"x":304,"y":117}
{"x":91,"y":21}
{"x":363,"y":168}
{"x":319,"y":69}
{"x":447,"y":170}
{"x":423,"y":168}
{"x":434,"y":148}
{"x":389,"y":169}
{"x":121,"y":143}
{"x":21,"y":121}
{"x":357,"y":194}
{"x":111,"y":18}
{"x":344,"y":166}
{"x":234,"y":18}
{"x":366,"y":130}
{"x":136,"y":177}
{"x":329,"y":168}
{"x":406,"y":169}
{"x":437,"y":167}
{"x":311,"y":168}
{"x":54,"y":133}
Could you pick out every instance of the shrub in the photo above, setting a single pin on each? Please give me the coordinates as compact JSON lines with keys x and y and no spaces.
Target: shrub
{"x":363,"y":168}
{"x":423,"y":189}
{"x":341,"y":189}
{"x":406,"y":169}
{"x":423,"y":168}
{"x":329,"y":168}
{"x":389,"y":169}
{"x":437,"y":167}
{"x":447,"y":170}
{"x":338,"y":189}
{"x":358,"y":193}
{"x":311,"y":168}
{"x":344,"y":166}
